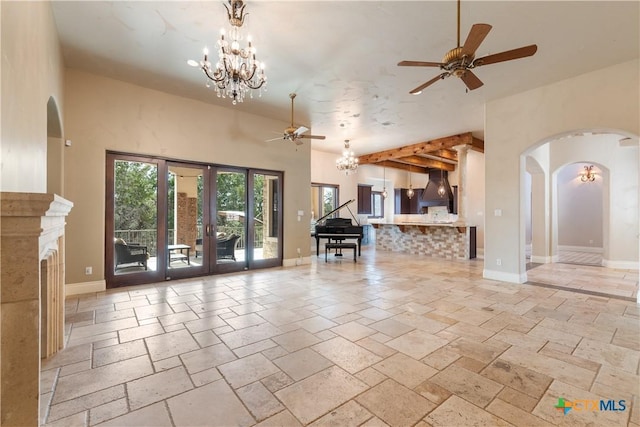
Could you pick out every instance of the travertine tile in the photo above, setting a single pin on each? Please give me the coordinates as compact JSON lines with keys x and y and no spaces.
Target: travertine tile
{"x":320,"y":393}
{"x":83,"y":403}
{"x":208,"y":357}
{"x":353,"y":331}
{"x":101,"y":378}
{"x":417,"y":344}
{"x":295,"y":340}
{"x":405,"y":370}
{"x":406,"y":408}
{"x":170,"y":344}
{"x":517,"y":377}
{"x":249,"y":335}
{"x":157,"y":387}
{"x":608,"y":354}
{"x":392,"y":328}
{"x":348,"y":414}
{"x":116,"y":353}
{"x":349,"y":356}
{"x":468,"y":385}
{"x":155,"y":415}
{"x":139,"y":332}
{"x":515,"y":415}
{"x":458,"y":412}
{"x":108,"y":411}
{"x":260,"y":401}
{"x":302,"y":363}
{"x":247,"y":370}
{"x":186,"y":409}
{"x":284,"y":419}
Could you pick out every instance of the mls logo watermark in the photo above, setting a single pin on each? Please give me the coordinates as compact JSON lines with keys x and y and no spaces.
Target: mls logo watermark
{"x":583,"y":405}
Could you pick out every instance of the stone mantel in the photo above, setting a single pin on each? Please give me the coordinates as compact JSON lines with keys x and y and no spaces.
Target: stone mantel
{"x":31,"y":295}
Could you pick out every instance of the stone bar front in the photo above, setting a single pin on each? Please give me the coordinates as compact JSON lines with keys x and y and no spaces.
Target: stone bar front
{"x":437,"y":240}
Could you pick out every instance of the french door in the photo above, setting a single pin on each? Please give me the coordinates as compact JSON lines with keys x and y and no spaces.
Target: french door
{"x":167,"y":219}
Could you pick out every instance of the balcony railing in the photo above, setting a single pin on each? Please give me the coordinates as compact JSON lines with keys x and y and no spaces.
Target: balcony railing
{"x":149,"y":237}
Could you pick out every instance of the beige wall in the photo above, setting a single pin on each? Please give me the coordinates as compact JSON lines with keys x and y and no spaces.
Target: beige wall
{"x":606,"y":99}
{"x":104,"y":114}
{"x":32,"y":72}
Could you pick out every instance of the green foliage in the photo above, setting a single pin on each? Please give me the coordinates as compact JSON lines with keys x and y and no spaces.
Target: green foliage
{"x":135,"y":198}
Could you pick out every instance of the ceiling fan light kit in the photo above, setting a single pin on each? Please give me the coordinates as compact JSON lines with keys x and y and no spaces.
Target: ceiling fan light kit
{"x":237,"y":71}
{"x":460,"y":60}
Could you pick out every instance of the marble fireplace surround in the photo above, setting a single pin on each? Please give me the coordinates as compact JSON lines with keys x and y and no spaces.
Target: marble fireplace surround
{"x":31,"y":297}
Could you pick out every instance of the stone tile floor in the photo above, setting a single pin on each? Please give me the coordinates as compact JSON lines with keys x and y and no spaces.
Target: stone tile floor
{"x":390,"y":340}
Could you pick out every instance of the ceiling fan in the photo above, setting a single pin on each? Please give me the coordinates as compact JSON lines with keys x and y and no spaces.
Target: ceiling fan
{"x":461,"y":60}
{"x":294,"y":134}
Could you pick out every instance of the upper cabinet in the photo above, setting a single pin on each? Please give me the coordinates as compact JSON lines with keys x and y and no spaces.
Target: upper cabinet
{"x":405,"y":205}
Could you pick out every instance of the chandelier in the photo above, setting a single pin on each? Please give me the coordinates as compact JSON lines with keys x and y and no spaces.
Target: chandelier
{"x":348,"y":162}
{"x":588,"y":175}
{"x":410,"y":191}
{"x":237,"y":70}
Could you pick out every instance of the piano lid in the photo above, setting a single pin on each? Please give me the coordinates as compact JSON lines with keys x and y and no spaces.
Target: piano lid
{"x":323,"y":218}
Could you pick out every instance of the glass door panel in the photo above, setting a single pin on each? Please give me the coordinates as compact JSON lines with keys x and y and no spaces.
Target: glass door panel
{"x":230,"y":225}
{"x":132,"y":221}
{"x":266,"y":224}
{"x":186,"y":250}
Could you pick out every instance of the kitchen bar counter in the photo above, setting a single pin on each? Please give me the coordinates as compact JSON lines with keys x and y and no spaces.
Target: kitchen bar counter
{"x":438,"y":239}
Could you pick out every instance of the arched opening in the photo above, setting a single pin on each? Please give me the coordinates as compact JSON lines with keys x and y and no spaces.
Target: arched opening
{"x":582,"y":221}
{"x":55,"y":149}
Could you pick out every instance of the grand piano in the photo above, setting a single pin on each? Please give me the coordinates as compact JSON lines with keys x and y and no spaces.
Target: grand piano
{"x":338,"y":229}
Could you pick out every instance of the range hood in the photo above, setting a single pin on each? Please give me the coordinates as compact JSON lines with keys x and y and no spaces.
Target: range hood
{"x":430,"y":196}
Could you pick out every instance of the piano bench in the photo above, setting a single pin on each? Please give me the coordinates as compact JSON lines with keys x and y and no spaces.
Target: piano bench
{"x":340,"y":246}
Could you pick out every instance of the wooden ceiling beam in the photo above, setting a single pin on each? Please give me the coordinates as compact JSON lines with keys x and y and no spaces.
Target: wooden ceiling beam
{"x":427,"y":147}
{"x":427,"y":163}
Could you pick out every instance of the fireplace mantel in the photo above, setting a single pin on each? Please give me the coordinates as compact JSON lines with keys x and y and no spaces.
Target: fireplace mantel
{"x":31,"y":295}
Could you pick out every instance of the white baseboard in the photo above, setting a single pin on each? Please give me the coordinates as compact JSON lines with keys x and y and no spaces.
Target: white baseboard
{"x":85,"y":287}
{"x":621,"y":265}
{"x":293,"y":262}
{"x":540,"y":259}
{"x":590,"y":249}
{"x":504,"y":277}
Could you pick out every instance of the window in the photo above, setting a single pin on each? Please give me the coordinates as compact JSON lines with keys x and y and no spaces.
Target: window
{"x":324,"y":199}
{"x":377,"y":205}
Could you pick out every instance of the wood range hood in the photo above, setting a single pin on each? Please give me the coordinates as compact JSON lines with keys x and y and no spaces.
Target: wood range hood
{"x":425,"y":157}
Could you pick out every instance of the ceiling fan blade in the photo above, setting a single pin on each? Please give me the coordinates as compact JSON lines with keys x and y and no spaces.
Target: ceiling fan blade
{"x":419,"y":89}
{"x":312,"y":136}
{"x":471,"y":80}
{"x":476,"y":35}
{"x":419,"y":64}
{"x":300,"y":130}
{"x":521,"y":52}
{"x":274,"y":139}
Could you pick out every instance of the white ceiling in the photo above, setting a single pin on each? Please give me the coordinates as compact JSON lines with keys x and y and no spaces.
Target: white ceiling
{"x":340,"y":57}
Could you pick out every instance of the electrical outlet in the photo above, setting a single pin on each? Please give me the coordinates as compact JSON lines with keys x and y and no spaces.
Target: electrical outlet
{"x":88,"y":270}
{"x":498,"y":261}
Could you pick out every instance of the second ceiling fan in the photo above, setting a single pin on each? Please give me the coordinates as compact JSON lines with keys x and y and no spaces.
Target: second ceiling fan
{"x":293,"y":133}
{"x":460,"y":60}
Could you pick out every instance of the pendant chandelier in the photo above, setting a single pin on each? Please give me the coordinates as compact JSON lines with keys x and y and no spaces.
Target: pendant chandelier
{"x":441,"y":189}
{"x":348,"y":162}
{"x":237,"y":70}
{"x":410,"y":191}
{"x":384,"y":182}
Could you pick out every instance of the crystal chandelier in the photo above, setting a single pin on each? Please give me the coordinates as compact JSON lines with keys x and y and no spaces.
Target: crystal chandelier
{"x":348,"y":162}
{"x":237,"y":70}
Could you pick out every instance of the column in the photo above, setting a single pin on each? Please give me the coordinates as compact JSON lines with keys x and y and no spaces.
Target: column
{"x":462,"y":151}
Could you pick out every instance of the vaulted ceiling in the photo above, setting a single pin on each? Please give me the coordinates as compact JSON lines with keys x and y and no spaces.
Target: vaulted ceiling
{"x":341,"y":58}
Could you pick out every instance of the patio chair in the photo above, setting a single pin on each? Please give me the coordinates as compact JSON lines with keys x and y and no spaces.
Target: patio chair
{"x":226,"y":247}
{"x":130,"y":253}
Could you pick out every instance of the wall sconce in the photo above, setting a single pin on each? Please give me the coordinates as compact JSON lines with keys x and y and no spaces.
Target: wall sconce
{"x":588,"y":175}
